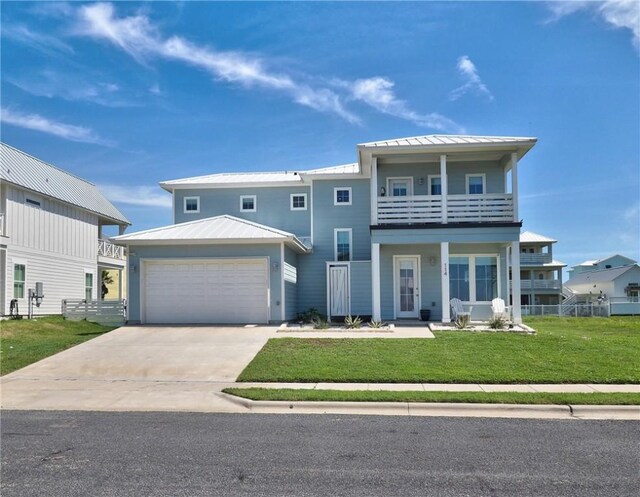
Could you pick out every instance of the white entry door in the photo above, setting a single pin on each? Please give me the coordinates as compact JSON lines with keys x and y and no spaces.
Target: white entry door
{"x":339,"y":290}
{"x":400,"y":187}
{"x":407,"y":298}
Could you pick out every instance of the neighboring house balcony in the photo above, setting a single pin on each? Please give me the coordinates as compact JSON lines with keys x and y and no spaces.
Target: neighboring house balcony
{"x":426,"y":209}
{"x":110,"y":254}
{"x":540,"y":284}
{"x":535,"y":259}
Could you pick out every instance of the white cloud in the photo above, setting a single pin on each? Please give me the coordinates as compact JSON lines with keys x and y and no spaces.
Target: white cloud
{"x":469,"y":72}
{"x":623,"y":14}
{"x":378,"y":93}
{"x":147,"y":196}
{"x":155,"y":89}
{"x":36,"y":122}
{"x":71,"y":87}
{"x":137,"y":36}
{"x":38,"y":41}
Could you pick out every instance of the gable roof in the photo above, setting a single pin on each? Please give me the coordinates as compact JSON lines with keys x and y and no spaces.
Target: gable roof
{"x":599,"y":275}
{"x":352,"y":168}
{"x":25,"y":171}
{"x":531,"y":237}
{"x":219,"y":229}
{"x":604,"y":259}
{"x":436,"y":140}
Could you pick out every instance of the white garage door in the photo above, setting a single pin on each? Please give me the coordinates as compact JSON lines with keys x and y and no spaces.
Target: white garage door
{"x":206,"y":291}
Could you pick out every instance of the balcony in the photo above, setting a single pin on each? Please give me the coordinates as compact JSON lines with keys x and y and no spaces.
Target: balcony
{"x":110,"y":253}
{"x":420,"y":209}
{"x":540,"y":284}
{"x":534,"y":259}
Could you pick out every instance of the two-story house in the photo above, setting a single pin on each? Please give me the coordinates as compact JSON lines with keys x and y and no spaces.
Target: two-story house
{"x":609,"y":262}
{"x":51,"y":226}
{"x":540,"y":273}
{"x":410,"y":225}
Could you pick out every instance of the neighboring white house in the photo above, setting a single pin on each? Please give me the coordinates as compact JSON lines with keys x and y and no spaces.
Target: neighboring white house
{"x":51,"y":232}
{"x":612,"y":261}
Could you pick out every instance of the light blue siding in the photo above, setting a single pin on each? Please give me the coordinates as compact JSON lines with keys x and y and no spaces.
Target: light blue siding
{"x":456,"y":174}
{"x":361,"y":288}
{"x":291,"y":289}
{"x":452,"y":235}
{"x":136,"y":253}
{"x":312,"y":283}
{"x":273,"y":206}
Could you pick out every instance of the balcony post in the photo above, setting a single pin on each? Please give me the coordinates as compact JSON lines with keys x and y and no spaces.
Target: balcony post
{"x":514,"y":186}
{"x":444,"y":190}
{"x":515,"y":282}
{"x":374,"y":191}
{"x":444,"y":280}
{"x":375,"y":281}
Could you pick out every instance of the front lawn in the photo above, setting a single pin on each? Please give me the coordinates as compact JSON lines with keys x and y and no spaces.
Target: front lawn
{"x":565,"y":350}
{"x":304,"y":394}
{"x":26,"y":341}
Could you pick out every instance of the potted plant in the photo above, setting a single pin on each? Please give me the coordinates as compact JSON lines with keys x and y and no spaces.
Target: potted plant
{"x":425,"y":314}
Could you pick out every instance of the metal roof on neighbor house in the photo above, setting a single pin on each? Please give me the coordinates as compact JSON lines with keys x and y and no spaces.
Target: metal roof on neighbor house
{"x":236,"y":178}
{"x":219,"y":229}
{"x":599,"y":275}
{"x":531,"y":237}
{"x":33,"y":174}
{"x":443,"y":140}
{"x":352,"y":168}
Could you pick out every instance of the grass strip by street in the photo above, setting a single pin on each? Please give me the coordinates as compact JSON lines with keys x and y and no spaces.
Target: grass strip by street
{"x":564,"y":350}
{"x":292,"y":395}
{"x":25,"y":341}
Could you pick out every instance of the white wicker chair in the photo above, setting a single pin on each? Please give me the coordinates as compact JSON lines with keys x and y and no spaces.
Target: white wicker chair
{"x":457,"y":309}
{"x":499,"y":309}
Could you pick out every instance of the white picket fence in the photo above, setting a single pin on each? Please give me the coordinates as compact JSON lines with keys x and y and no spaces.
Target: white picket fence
{"x":111,"y":312}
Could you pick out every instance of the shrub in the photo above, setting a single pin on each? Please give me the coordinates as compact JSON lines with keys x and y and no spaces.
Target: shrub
{"x":310,"y":315}
{"x":376,"y":324}
{"x":498,"y":323}
{"x":462,"y":321}
{"x":320,"y":324}
{"x":352,"y":323}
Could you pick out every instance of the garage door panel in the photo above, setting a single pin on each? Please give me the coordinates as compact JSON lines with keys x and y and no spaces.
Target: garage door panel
{"x":209,"y":291}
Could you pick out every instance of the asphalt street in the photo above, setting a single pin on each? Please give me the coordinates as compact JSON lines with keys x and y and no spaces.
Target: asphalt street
{"x":183,"y":454}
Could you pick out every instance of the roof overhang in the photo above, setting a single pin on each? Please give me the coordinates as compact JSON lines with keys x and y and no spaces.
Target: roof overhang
{"x":292,"y":242}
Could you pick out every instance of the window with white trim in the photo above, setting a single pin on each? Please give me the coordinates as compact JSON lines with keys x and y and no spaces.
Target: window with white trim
{"x":298,"y":202}
{"x":342,"y":239}
{"x":191,"y":205}
{"x":88,"y":286}
{"x":248,"y":203}
{"x":342,"y":196}
{"x":435,"y":185}
{"x":19,"y":279}
{"x":475,"y":184}
{"x":473,"y":278}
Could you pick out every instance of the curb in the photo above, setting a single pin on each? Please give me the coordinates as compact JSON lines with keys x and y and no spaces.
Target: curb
{"x":531,"y":411}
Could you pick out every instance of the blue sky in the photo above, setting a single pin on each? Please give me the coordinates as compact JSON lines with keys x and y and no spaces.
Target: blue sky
{"x":130,"y":94}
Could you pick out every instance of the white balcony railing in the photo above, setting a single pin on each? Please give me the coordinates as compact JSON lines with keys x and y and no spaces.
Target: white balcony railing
{"x":540,"y":284}
{"x":534,"y":259}
{"x":108,"y":249}
{"x":460,"y":209}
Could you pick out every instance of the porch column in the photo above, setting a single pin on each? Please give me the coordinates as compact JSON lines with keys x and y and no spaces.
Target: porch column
{"x":514,"y":187}
{"x":375,"y":282}
{"x":508,"y":265}
{"x":374,"y":190}
{"x":120,"y":273}
{"x":444,"y":189}
{"x":444,"y":279}
{"x":515,"y":282}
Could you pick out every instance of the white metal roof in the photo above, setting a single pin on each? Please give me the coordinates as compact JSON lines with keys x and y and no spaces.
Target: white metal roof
{"x":220,"y":229}
{"x":440,"y":140}
{"x":598,"y":261}
{"x":531,"y":237}
{"x":236,"y":178}
{"x":599,"y":275}
{"x":352,"y":168}
{"x":33,"y":174}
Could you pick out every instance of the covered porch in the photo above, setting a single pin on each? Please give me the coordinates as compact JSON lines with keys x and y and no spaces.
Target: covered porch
{"x":415,"y":273}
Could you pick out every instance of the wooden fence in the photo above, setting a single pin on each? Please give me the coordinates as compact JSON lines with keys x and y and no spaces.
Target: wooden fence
{"x":109,"y":312}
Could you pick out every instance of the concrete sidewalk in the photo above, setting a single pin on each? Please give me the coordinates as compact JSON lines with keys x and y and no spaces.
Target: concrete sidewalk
{"x":452,"y":387}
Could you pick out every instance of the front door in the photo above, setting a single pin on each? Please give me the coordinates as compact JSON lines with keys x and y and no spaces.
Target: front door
{"x":400,"y":187}
{"x":407,"y":298}
{"x":339,"y":290}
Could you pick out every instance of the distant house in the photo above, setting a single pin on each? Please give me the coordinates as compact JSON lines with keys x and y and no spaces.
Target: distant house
{"x":540,"y":273}
{"x":51,"y":225}
{"x":616,"y":284}
{"x":606,"y":263}
{"x":412,"y":224}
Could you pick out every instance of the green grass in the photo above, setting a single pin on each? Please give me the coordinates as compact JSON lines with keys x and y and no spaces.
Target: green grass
{"x":26,"y":341}
{"x":467,"y":397}
{"x":565,"y":350}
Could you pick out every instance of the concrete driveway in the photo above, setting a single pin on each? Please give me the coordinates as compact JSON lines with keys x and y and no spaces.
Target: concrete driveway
{"x":151,"y":368}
